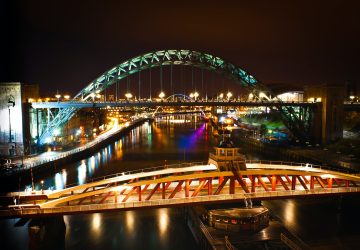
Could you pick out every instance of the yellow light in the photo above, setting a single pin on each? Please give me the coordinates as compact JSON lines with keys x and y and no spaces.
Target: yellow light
{"x":30,"y":100}
{"x":67,"y":97}
{"x":318,"y":99}
{"x":312,"y":99}
{"x":221,"y":95}
{"x":229,"y":95}
{"x":58,"y":96}
{"x":162,"y":95}
{"x":262,"y":95}
{"x":128,"y":95}
{"x":251,"y":96}
{"x":352,"y":97}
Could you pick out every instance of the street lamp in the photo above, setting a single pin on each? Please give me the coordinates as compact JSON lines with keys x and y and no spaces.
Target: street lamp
{"x":58,"y":96}
{"x":221,"y":96}
{"x":196,"y":95}
{"x":11,"y":103}
{"x":229,"y":95}
{"x":162,"y":95}
{"x":42,"y":186}
{"x":128,"y":95}
{"x":67,"y":97}
{"x":352,"y":98}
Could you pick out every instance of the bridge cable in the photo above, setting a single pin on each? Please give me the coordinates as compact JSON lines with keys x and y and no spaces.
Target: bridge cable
{"x":150,"y":82}
{"x":181,"y":78}
{"x":116,"y":90}
{"x":171,"y":82}
{"x":161,"y":83}
{"x":202,"y":81}
{"x":127,"y":84}
{"x":139,"y":84}
{"x":192,"y":78}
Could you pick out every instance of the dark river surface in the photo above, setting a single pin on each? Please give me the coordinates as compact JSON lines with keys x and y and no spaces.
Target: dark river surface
{"x":325,"y":223}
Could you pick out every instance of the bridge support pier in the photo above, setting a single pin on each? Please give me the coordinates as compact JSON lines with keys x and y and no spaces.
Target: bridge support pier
{"x":327,"y":124}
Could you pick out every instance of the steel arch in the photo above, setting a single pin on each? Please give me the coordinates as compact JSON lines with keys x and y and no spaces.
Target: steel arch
{"x":147,"y":61}
{"x":169,"y":57}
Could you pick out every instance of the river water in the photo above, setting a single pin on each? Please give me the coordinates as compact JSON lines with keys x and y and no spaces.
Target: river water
{"x":330,"y":223}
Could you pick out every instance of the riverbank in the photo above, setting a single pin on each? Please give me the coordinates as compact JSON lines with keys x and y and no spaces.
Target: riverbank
{"x":314,"y":155}
{"x":50,"y":160}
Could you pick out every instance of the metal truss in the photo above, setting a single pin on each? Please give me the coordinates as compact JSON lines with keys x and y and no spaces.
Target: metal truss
{"x":169,"y":57}
{"x":176,"y":185}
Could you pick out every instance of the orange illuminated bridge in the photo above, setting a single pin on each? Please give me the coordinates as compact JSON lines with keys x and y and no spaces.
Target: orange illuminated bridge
{"x":227,"y":177}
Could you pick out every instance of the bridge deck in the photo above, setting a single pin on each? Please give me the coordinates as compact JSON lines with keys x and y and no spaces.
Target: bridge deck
{"x":184,"y":185}
{"x":154,"y":104}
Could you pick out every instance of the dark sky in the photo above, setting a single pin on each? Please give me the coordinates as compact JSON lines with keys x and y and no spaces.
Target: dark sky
{"x":66,"y":44}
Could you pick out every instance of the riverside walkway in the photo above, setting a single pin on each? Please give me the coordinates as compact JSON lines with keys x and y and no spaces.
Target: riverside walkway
{"x":51,"y":156}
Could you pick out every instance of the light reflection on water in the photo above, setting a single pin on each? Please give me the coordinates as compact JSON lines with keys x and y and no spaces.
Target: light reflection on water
{"x":154,"y":139}
{"x":82,"y":173}
{"x":163,"y":222}
{"x":153,"y":228}
{"x":130,"y":221}
{"x":96,"y":224}
{"x":60,"y":180}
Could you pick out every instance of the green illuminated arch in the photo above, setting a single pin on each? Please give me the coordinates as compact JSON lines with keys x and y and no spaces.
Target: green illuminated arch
{"x":147,"y":61}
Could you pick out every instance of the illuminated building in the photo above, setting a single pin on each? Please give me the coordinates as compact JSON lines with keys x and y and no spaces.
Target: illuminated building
{"x":14,"y":113}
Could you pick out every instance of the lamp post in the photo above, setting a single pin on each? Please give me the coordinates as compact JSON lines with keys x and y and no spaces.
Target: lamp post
{"x":221,"y":96}
{"x":161,"y":95}
{"x":11,"y":103}
{"x":196,"y":95}
{"x":128,"y":95}
{"x":42,"y":186}
{"x":229,"y":95}
{"x":58,"y":96}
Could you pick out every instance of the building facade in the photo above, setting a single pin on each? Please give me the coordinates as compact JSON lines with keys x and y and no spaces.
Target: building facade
{"x":14,"y":113}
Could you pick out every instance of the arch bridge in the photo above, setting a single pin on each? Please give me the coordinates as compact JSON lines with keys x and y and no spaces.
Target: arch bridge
{"x":186,"y":184}
{"x":297,"y":122}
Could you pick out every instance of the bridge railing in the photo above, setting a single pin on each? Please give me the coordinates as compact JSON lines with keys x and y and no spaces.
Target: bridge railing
{"x":299,"y":164}
{"x":190,"y":164}
{"x":143,"y":170}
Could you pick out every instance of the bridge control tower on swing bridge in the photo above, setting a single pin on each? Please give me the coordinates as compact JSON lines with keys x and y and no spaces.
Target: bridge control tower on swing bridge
{"x":227,"y":157}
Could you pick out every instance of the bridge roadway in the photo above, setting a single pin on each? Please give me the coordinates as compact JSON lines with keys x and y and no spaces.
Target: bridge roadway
{"x":167,"y":103}
{"x":184,"y":184}
{"x":348,"y":106}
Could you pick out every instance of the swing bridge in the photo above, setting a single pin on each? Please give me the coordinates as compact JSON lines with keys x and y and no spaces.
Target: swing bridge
{"x":185,"y":184}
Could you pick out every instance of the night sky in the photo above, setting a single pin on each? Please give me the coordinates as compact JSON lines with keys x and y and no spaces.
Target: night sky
{"x":66,"y":44}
